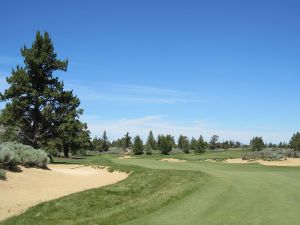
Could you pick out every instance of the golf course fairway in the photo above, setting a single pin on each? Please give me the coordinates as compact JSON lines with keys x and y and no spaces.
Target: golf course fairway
{"x":190,"y":192}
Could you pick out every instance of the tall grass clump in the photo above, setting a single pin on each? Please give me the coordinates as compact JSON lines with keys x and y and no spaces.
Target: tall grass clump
{"x":14,"y":154}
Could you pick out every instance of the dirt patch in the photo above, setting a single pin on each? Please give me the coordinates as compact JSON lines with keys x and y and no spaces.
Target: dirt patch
{"x":285,"y":162}
{"x":173,"y":160}
{"x":32,"y":186}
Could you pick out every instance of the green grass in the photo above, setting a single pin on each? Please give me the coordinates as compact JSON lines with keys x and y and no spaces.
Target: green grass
{"x":194,"y":192}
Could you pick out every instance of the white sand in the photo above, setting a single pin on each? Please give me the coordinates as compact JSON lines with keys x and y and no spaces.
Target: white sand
{"x":172,"y":160}
{"x":286,"y":162}
{"x":32,"y":186}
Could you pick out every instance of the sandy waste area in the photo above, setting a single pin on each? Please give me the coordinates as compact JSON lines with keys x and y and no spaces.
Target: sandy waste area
{"x":285,"y":162}
{"x":24,"y":189}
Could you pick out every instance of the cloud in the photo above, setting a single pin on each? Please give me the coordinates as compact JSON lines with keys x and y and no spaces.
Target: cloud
{"x":134,"y":93}
{"x":160,"y":124}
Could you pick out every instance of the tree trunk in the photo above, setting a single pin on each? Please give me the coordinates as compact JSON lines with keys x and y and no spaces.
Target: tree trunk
{"x":66,"y":151}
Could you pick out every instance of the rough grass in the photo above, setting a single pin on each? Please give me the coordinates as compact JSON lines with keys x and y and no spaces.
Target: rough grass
{"x":193,"y":192}
{"x":144,"y":191}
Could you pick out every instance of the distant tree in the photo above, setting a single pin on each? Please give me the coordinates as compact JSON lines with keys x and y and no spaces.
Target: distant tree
{"x":96,"y":144}
{"x":295,"y":142}
{"x":165,"y":143}
{"x":126,"y":141}
{"x":257,"y":144}
{"x":225,"y":145}
{"x":200,"y":145}
{"x":213,"y":144}
{"x":104,"y":142}
{"x":181,"y":141}
{"x":238,"y":144}
{"x":151,"y":141}
{"x":148,"y":149}
{"x":193,"y":143}
{"x":137,"y":147}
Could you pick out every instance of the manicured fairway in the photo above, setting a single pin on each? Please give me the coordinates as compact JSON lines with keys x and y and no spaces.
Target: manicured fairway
{"x":193,"y":192}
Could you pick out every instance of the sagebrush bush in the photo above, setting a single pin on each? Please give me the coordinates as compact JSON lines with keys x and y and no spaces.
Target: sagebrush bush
{"x":270,"y":154}
{"x":2,"y":174}
{"x":14,"y":154}
{"x":33,"y":157}
{"x":9,"y":158}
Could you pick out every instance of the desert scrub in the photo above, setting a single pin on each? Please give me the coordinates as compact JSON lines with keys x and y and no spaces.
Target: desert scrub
{"x":14,"y":154}
{"x":2,"y":174}
{"x":269,"y":154}
{"x":9,"y":159}
{"x":33,"y":157}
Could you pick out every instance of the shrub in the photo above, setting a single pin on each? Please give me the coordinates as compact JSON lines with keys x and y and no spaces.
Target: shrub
{"x":9,"y":158}
{"x":14,"y":154}
{"x":269,"y":154}
{"x":34,"y":157}
{"x":2,"y":174}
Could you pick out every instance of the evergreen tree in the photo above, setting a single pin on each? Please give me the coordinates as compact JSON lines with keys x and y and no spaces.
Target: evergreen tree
{"x":214,"y":142}
{"x":148,"y":149}
{"x":126,"y":142}
{"x":295,"y":142}
{"x":38,"y":109}
{"x":200,"y":145}
{"x":193,"y":143}
{"x":165,"y":143}
{"x":137,"y":147}
{"x":151,"y":141}
{"x":104,"y":142}
{"x":184,"y":144}
{"x":257,"y":144}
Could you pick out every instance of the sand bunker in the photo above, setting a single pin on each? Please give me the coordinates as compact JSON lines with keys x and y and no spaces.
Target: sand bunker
{"x":210,"y":160}
{"x":172,"y":160}
{"x":286,"y":162}
{"x":32,"y":186}
{"x":127,"y":157}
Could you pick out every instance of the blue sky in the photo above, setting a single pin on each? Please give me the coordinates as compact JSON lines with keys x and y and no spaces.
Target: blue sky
{"x":230,"y":68}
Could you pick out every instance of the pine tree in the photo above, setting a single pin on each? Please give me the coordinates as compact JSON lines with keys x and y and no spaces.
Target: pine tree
{"x":126,"y":141}
{"x":104,"y":142}
{"x":165,"y":143}
{"x":295,"y":142}
{"x":200,"y":145}
{"x":49,"y":115}
{"x":257,"y":144}
{"x":214,"y":142}
{"x":148,"y":149}
{"x":151,"y":141}
{"x":137,"y":146}
{"x":38,"y":108}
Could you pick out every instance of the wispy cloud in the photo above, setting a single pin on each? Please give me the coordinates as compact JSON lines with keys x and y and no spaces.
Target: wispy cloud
{"x":160,"y":124}
{"x":135,"y":93}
